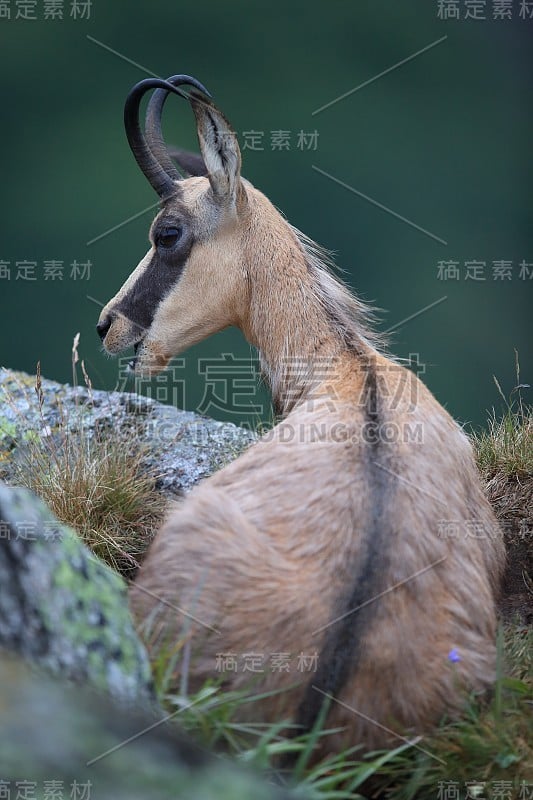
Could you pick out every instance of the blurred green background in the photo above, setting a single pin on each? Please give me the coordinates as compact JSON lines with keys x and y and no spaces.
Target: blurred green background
{"x":443,"y":140}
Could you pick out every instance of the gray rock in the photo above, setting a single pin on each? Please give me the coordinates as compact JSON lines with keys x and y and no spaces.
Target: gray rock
{"x":71,"y":740}
{"x":63,"y":608}
{"x":180,"y":446}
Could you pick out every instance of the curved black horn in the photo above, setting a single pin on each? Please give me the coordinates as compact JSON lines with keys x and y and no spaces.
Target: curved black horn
{"x":152,"y":128}
{"x":157,"y":176}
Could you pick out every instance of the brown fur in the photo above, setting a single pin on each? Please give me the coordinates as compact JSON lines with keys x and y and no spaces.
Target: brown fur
{"x":263,"y":556}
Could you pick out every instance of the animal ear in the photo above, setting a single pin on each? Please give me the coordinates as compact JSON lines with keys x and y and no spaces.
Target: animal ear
{"x":190,"y":163}
{"x":220,"y":149}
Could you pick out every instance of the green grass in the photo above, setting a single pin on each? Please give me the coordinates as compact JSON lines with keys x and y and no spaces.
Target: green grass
{"x":491,"y":745}
{"x":505,"y":447}
{"x":504,"y":453}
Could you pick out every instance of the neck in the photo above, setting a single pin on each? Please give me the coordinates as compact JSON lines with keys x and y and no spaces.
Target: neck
{"x":290,"y":317}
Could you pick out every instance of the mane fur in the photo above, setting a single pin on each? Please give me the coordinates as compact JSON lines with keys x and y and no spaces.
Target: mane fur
{"x":354,"y":321}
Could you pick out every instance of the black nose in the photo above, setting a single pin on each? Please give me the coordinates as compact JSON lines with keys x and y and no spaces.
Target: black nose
{"x":103,"y":327}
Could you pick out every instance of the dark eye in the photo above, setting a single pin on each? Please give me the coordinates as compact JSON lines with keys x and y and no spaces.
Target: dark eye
{"x":167,"y":237}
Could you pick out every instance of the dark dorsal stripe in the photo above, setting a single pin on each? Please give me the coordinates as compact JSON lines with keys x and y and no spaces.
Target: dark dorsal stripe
{"x":344,"y":640}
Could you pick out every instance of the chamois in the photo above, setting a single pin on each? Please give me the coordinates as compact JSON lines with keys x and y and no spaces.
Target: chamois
{"x":331,"y":534}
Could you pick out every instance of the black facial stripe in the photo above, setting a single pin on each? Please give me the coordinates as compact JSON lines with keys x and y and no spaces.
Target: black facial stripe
{"x":344,"y":641}
{"x":159,"y":277}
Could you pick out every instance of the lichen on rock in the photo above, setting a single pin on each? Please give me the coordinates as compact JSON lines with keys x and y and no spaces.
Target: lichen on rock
{"x":63,"y":608}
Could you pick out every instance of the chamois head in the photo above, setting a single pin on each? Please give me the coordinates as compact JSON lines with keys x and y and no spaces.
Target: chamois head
{"x":189,"y":284}
{"x":221,"y":254}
